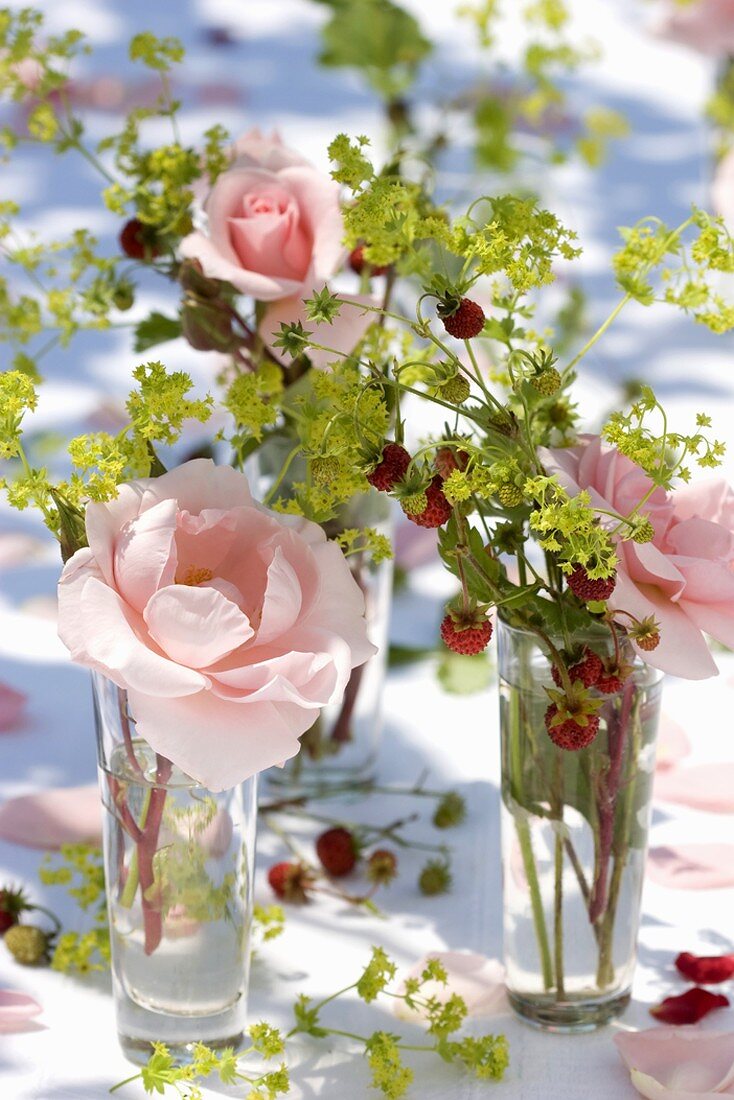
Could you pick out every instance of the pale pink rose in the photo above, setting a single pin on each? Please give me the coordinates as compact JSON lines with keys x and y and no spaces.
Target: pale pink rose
{"x":684,"y":578}
{"x":478,"y":980}
{"x":341,"y":336}
{"x":679,"y":1063}
{"x":704,"y":25}
{"x":274,"y":223}
{"x":17,"y":1012}
{"x":722,"y":189}
{"x":229,"y":626}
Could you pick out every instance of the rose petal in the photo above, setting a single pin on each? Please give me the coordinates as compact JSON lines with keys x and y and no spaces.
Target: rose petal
{"x":17,"y":1012}
{"x":678,"y":1063}
{"x":12,"y":705}
{"x":478,"y":980}
{"x":692,"y":866}
{"x":51,"y":818}
{"x":705,"y":969}
{"x":145,"y":554}
{"x":342,"y":335}
{"x":689,"y":1007}
{"x":196,"y":626}
{"x":707,"y":787}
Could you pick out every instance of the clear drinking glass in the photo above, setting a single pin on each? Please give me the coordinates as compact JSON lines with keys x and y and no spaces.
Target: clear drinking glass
{"x":179,"y":862}
{"x":341,"y":747}
{"x":574,"y":842}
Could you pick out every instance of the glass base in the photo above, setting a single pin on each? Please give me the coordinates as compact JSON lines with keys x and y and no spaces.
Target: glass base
{"x":138,"y":1050}
{"x":568,"y":1017}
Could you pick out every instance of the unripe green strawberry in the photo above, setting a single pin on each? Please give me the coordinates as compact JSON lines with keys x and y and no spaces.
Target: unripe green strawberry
{"x":27,"y":944}
{"x":456,"y":390}
{"x":324,"y":469}
{"x":547,"y":382}
{"x":435,"y":878}
{"x":509,"y":495}
{"x":643,"y":531}
{"x":450,"y":811}
{"x":415,"y":503}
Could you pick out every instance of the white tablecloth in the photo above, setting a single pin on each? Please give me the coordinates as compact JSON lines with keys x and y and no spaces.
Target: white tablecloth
{"x":661,"y":168}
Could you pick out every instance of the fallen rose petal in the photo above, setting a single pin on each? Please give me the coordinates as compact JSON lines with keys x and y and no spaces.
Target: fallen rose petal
{"x":689,"y":1007}
{"x":679,"y":1063}
{"x":12,"y":705}
{"x":705,"y":969}
{"x":692,"y":866}
{"x":478,"y":980}
{"x":48,"y":819}
{"x":17,"y":1011}
{"x":673,"y":743}
{"x":707,"y":787}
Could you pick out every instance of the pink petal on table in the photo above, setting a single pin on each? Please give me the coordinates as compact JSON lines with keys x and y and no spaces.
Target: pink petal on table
{"x":17,"y":1011}
{"x":679,"y":1063}
{"x":705,"y":787}
{"x":480,"y":981}
{"x":48,"y":819}
{"x":692,"y":866}
{"x":673,"y":743}
{"x":12,"y":705}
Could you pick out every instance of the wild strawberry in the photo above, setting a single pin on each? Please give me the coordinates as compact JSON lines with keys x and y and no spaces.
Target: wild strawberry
{"x":12,"y":904}
{"x":609,"y":683}
{"x":509,"y":495}
{"x":465,"y":321}
{"x":447,"y":460}
{"x":450,"y":811}
{"x":568,"y":733}
{"x":547,"y":381}
{"x":138,"y":240}
{"x":290,"y":881}
{"x":648,"y":642}
{"x":382,"y":866}
{"x":467,"y":636}
{"x":456,"y":390}
{"x":646,"y":633}
{"x":324,"y":469}
{"x":435,"y":878}
{"x":337,"y":851}
{"x":358,"y":263}
{"x":414,"y":504}
{"x":27,"y":944}
{"x":437,"y":511}
{"x":391,"y":468}
{"x":587,"y":670}
{"x":588,"y":589}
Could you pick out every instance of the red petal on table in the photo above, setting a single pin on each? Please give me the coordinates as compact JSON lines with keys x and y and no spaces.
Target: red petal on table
{"x":705,"y":787}
{"x":17,"y":1011}
{"x":705,"y":969}
{"x":692,"y":866}
{"x":673,"y":743}
{"x":688,"y":1007}
{"x":48,"y":819}
{"x":12,"y":705}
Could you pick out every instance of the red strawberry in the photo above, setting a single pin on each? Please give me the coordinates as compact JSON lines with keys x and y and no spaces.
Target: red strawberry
{"x":290,"y":881}
{"x":587,"y":589}
{"x":609,"y":683}
{"x":688,"y":1007}
{"x":469,"y":638}
{"x":587,"y":670}
{"x":358,"y":263}
{"x":437,"y":511}
{"x":447,"y":460}
{"x":391,"y":468}
{"x":12,"y":904}
{"x":138,"y":241}
{"x":570,"y":734}
{"x":337,"y":851}
{"x":705,"y":969}
{"x":466,"y":321}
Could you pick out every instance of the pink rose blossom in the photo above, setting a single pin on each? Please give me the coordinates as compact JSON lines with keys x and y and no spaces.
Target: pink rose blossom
{"x":229,"y":626}
{"x":679,"y":1063}
{"x":704,"y":25}
{"x":274,"y":223}
{"x":684,"y":578}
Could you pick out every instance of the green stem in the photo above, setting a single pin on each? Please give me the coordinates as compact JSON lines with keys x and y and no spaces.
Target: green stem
{"x":526,"y":848}
{"x":600,"y":331}
{"x":558,"y":876}
{"x":131,"y":882}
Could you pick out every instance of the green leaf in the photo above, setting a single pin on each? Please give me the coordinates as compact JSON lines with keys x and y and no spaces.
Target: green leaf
{"x":460,"y":675}
{"x":156,"y":329}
